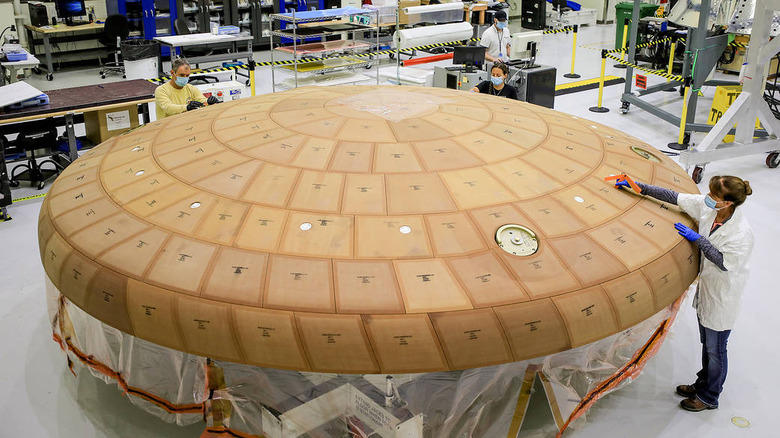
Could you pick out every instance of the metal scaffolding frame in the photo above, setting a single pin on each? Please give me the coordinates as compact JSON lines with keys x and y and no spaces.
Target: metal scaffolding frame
{"x":747,"y":107}
{"x":697,"y":42}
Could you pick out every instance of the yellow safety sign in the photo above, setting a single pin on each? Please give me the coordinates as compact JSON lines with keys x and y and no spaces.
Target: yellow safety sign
{"x":725,"y":95}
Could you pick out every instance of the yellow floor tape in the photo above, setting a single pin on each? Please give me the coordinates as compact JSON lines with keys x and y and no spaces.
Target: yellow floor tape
{"x":27,"y":198}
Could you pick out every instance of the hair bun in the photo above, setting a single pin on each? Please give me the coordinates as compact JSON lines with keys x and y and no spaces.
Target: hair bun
{"x":748,"y":190}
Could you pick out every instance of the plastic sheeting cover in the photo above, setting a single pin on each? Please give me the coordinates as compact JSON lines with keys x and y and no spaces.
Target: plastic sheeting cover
{"x":279,"y":403}
{"x":442,"y":33}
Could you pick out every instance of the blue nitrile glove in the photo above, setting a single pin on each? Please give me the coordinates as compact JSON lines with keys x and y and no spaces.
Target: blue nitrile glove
{"x":622,"y":183}
{"x":687,"y":232}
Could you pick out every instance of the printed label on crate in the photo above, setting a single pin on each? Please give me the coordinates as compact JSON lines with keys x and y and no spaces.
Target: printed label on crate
{"x":118,"y":120}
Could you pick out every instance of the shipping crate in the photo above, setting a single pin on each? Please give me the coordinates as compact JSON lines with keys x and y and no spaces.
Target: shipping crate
{"x":104,"y":124}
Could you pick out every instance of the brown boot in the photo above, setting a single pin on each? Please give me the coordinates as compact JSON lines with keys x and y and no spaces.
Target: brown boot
{"x":687,"y":391}
{"x":695,"y":405}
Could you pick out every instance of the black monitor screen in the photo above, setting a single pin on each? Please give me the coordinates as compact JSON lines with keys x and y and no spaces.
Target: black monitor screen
{"x":469,"y":55}
{"x":71,"y":8}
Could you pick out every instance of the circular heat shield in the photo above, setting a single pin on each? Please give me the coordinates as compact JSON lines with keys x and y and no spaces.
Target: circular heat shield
{"x":353,"y":230}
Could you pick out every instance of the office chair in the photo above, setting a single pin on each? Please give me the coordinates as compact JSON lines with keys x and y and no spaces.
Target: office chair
{"x":114,"y":32}
{"x":181,"y":28}
{"x":37,"y":137}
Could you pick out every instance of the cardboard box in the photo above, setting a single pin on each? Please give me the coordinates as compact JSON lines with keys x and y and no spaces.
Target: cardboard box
{"x":223,"y":91}
{"x":104,"y":124}
{"x":403,"y":18}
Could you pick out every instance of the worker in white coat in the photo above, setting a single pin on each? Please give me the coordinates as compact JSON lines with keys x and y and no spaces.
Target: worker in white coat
{"x":495,"y":39}
{"x":726,"y":242}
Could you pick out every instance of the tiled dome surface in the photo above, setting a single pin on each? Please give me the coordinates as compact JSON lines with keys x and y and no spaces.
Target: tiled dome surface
{"x":352,"y":230}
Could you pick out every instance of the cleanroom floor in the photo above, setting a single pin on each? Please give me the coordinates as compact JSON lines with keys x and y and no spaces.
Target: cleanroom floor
{"x":41,"y":398}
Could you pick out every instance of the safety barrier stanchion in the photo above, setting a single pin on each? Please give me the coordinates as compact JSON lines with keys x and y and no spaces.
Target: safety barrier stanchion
{"x":672,"y":48}
{"x":623,"y":46}
{"x":682,"y":138}
{"x":573,"y":75}
{"x":252,"y":76}
{"x":598,"y":108}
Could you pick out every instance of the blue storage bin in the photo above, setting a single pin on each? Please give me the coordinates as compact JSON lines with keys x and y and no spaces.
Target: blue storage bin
{"x":17,"y":56}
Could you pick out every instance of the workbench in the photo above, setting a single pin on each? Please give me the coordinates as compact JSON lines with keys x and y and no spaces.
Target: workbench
{"x":52,"y":34}
{"x":68,"y":102}
{"x":13,"y":68}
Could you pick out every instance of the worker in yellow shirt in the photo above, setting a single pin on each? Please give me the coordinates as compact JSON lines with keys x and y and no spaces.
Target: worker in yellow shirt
{"x":177,"y":96}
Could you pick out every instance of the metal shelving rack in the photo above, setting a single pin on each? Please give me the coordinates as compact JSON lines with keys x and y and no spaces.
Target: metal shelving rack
{"x":295,"y":19}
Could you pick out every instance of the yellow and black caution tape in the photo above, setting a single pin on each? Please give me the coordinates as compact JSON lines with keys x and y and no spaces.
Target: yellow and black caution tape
{"x":639,"y":46}
{"x":566,"y":29}
{"x":731,"y":44}
{"x":679,"y":40}
{"x":305,"y":60}
{"x":646,"y":70}
{"x":365,"y":55}
{"x":162,"y":79}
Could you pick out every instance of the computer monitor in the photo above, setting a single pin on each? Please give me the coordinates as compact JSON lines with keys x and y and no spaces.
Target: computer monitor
{"x":68,"y":9}
{"x":470,"y":56}
{"x":525,"y":44}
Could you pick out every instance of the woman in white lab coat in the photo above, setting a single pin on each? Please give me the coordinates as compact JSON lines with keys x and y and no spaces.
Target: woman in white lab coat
{"x":726,"y":241}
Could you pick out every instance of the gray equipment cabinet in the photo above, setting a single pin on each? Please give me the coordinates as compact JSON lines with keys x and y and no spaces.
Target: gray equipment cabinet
{"x":254,"y":17}
{"x":458,"y":79}
{"x":535,"y":84}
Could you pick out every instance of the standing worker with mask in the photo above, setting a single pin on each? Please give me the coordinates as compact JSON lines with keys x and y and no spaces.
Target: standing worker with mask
{"x":722,"y":275}
{"x":497,"y":85}
{"x":177,"y":95}
{"x":496,"y":39}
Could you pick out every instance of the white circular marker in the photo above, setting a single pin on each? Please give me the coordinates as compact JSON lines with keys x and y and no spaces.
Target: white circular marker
{"x":306,"y":226}
{"x":578,"y":199}
{"x":139,"y":173}
{"x":195,"y":205}
{"x":405,"y":229}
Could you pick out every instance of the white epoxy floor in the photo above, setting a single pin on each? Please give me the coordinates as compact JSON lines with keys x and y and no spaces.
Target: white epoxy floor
{"x":41,"y":398}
